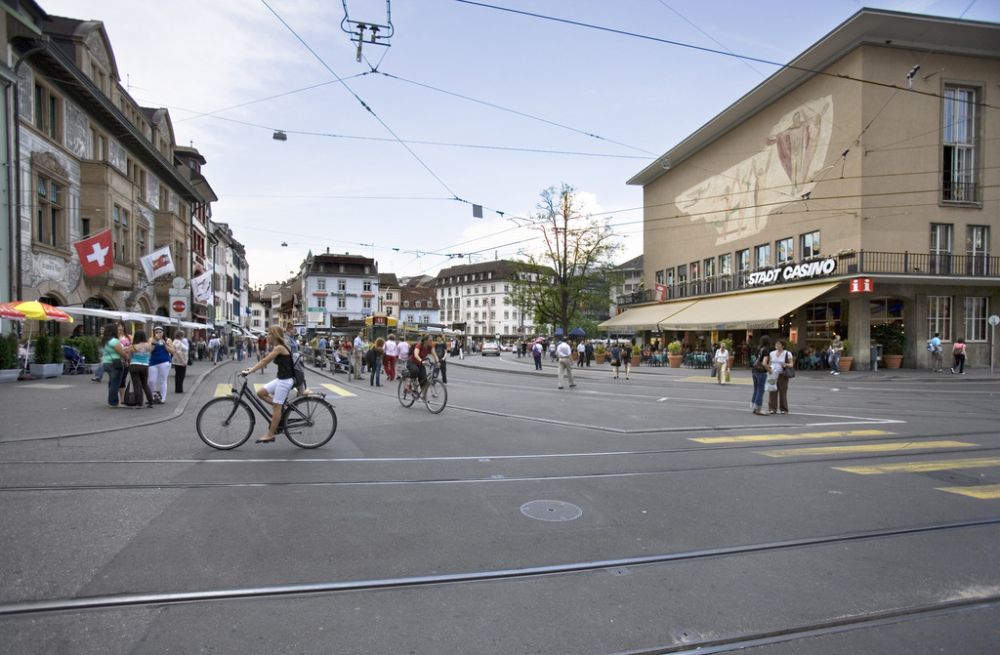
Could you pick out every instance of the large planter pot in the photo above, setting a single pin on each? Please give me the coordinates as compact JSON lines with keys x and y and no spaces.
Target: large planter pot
{"x":845,"y":364}
{"x":46,"y":370}
{"x":9,"y":374}
{"x":675,"y":360}
{"x":892,"y":361}
{"x":599,"y":357}
{"x":635,"y":360}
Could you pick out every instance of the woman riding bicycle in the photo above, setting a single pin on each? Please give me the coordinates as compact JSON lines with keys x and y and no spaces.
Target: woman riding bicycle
{"x":421,"y":353}
{"x":276,"y":391}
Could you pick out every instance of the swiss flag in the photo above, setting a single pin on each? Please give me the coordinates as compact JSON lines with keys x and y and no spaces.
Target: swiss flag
{"x":95,"y":254}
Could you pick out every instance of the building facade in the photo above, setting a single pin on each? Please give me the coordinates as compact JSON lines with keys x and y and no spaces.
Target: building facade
{"x":419,"y":306}
{"x":388,"y":294}
{"x":631,"y":285}
{"x":477,"y":298}
{"x":834,"y":198}
{"x":338,"y":289}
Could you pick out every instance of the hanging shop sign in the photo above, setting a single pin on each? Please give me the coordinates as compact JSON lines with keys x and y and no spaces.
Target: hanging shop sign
{"x":793,"y":273}
{"x":862,"y":285}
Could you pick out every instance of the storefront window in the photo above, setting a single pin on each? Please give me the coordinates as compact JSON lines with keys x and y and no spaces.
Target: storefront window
{"x":823,"y":320}
{"x":976,"y":311}
{"x":939,"y":316}
{"x":886,"y":310}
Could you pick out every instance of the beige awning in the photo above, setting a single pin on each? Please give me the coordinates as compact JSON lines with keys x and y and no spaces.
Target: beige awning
{"x":647,"y":317}
{"x":753,"y":309}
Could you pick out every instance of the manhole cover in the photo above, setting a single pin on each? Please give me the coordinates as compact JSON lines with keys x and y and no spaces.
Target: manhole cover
{"x":551,"y":510}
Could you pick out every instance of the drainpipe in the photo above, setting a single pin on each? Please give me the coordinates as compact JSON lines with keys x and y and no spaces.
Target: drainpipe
{"x":17,"y":163}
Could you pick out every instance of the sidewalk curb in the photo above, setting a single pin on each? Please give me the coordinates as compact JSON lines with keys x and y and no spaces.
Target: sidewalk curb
{"x":177,"y":413}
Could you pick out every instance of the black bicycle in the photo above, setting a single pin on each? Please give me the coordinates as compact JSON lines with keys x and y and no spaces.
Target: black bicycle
{"x":434,"y":393}
{"x":225,"y":423}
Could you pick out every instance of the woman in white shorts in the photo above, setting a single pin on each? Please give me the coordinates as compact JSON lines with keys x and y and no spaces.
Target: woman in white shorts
{"x":276,"y":391}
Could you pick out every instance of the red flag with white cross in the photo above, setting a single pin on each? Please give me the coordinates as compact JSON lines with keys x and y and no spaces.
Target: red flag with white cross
{"x":95,"y":254}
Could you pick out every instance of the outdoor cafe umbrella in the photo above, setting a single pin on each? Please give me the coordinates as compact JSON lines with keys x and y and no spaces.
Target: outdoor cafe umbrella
{"x":39,"y":311}
{"x":577,"y":332}
{"x":8,"y":311}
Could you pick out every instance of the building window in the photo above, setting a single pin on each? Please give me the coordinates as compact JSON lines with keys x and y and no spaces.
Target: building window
{"x":85,"y":227}
{"x":141,"y":245}
{"x":682,"y":278}
{"x":977,"y":249}
{"x":725,"y":271}
{"x":366,"y":303}
{"x":942,"y":235}
{"x":809,"y":244}
{"x":368,"y":285}
{"x":321,"y":302}
{"x":959,"y":131}
{"x":321,"y":284}
{"x":743,"y":260}
{"x":939,"y":316}
{"x":659,"y":277}
{"x":822,"y":322}
{"x":341,"y":303}
{"x":388,"y":295}
{"x":784,"y":249}
{"x":976,"y":311}
{"x":708,"y":271}
{"x":762,"y":256}
{"x":668,"y":275}
{"x":427,"y":318}
{"x":695,"y":269}
{"x":341,"y":286}
{"x":48,"y":113}
{"x":120,"y":233}
{"x":50,"y":212}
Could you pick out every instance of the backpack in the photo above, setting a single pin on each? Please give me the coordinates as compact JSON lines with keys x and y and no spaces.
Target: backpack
{"x":298,"y":370}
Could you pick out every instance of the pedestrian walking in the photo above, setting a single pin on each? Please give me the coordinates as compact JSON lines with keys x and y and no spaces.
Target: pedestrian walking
{"x":536,"y":354}
{"x":180,"y":360}
{"x":214,"y":346}
{"x":958,"y":356}
{"x":626,"y":357}
{"x":616,"y":359}
{"x":759,"y":372}
{"x":159,"y":365}
{"x":721,"y":358}
{"x":113,"y":358}
{"x":564,"y":352}
{"x":836,"y":348}
{"x":138,"y":369}
{"x":391,"y":353}
{"x":374,"y":355}
{"x":356,"y":353}
{"x":588,"y":350}
{"x":781,"y":364}
{"x":581,"y":354}
{"x":935,"y":348}
{"x":441,"y":350}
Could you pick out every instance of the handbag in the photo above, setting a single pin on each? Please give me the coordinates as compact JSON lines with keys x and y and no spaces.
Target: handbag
{"x":133,"y":397}
{"x":788,"y":372}
{"x":715,"y":372}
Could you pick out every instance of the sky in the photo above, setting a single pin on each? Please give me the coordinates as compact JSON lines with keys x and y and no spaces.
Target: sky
{"x":493,"y":107}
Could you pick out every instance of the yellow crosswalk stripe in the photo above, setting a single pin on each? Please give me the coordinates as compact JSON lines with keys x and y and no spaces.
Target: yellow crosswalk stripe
{"x":984,"y":492}
{"x":340,"y":391}
{"x":865,"y":448}
{"x":223,"y":389}
{"x":700,"y":378}
{"x":750,"y":438}
{"x":923,"y":467}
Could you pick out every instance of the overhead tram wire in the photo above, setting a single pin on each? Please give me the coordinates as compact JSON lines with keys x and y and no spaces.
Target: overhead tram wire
{"x":516,"y":112}
{"x":364,"y":104}
{"x":691,"y":46}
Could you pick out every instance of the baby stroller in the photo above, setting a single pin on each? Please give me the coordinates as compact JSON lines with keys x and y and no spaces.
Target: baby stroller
{"x":75,"y":362}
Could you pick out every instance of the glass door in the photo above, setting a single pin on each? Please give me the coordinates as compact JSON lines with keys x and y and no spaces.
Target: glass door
{"x":977,"y":246}
{"x":940,"y":248}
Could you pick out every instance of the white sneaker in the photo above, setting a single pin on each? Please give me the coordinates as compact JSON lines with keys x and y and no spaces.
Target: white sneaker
{"x":836,"y":372}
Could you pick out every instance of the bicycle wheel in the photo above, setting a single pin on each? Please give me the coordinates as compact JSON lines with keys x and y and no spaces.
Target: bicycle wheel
{"x":225,"y":423}
{"x":310,"y":422}
{"x":435,"y":396}
{"x":406,"y":398}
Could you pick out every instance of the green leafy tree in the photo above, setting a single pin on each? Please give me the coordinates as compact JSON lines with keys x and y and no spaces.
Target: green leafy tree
{"x":570,"y":274}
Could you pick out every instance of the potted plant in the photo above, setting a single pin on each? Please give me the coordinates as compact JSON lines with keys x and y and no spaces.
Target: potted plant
{"x":845,"y":359}
{"x":674,"y":355}
{"x":636,"y":355}
{"x":891,"y":336}
{"x":600,"y":352}
{"x":42,"y":366}
{"x":9,"y":369}
{"x":89,"y":348}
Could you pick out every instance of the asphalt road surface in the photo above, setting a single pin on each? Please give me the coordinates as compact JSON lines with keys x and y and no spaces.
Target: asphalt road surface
{"x":650,"y":515}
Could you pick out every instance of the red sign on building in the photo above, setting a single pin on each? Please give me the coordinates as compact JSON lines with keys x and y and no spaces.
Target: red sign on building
{"x":862,"y":285}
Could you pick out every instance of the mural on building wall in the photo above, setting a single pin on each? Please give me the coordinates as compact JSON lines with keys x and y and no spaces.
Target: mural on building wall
{"x":77,"y":130}
{"x":738,"y":201}
{"x":117,"y":156}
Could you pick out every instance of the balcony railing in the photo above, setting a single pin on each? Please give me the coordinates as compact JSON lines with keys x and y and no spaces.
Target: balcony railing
{"x":852,"y":263}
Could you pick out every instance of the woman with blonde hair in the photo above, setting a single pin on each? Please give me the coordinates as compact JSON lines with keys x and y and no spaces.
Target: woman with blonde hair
{"x":276,"y":391}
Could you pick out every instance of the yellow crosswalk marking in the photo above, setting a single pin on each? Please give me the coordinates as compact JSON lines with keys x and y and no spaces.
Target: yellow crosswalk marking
{"x":340,"y":391}
{"x":984,"y":492}
{"x":700,"y":378}
{"x":750,"y":438}
{"x":865,"y":448}
{"x":223,"y":389}
{"x":923,"y":467}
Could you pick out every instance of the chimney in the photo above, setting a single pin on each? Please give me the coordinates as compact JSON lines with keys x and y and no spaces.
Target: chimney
{"x":328,"y":250}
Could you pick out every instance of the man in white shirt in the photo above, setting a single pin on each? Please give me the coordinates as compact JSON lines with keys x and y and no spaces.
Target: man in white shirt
{"x":563,"y":352}
{"x":581,"y":353}
{"x":356,"y":353}
{"x":391,"y":352}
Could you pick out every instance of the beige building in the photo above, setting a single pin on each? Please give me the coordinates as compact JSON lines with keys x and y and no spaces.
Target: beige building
{"x":857,"y":186}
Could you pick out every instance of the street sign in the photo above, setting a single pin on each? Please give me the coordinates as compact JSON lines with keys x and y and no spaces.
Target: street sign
{"x":994,"y":320}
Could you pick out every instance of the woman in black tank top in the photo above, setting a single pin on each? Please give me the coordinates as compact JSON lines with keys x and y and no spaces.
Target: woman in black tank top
{"x":279,"y":387}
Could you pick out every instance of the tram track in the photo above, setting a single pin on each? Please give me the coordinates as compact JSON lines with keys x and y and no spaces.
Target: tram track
{"x":98,"y":602}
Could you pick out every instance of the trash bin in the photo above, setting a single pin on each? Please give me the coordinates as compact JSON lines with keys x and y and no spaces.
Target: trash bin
{"x":876,"y":354}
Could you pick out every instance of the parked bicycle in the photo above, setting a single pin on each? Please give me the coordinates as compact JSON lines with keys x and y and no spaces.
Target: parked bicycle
{"x":225,"y":423}
{"x":434,"y":393}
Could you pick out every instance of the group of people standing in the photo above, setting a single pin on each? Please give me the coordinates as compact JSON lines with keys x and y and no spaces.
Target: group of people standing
{"x":143,"y":360}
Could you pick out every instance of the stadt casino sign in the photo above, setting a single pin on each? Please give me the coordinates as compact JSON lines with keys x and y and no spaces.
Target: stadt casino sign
{"x":793,"y":272}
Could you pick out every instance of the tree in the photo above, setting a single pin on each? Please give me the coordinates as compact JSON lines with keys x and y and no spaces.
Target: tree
{"x":569,"y":274}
